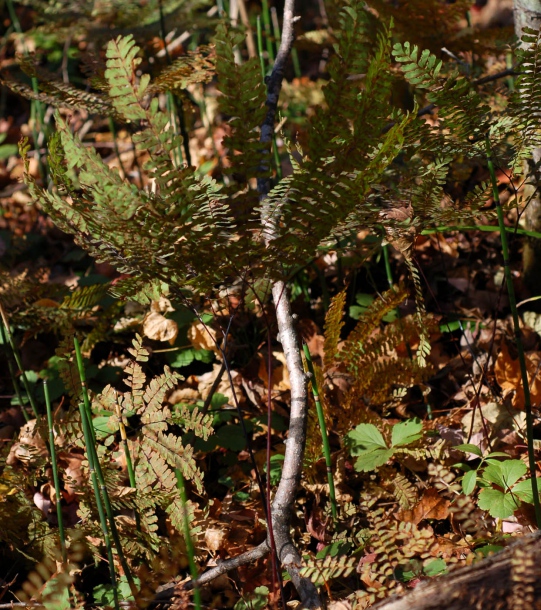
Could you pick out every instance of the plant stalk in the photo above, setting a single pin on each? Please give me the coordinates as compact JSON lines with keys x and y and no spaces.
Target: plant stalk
{"x":518,"y":334}
{"x":188,"y":539}
{"x":98,"y":471}
{"x":323,"y":427}
{"x":56,"y":478}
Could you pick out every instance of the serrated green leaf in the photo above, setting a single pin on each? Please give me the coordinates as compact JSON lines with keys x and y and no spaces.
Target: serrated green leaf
{"x":500,"y":505}
{"x":524,"y":490}
{"x":505,"y":474}
{"x":365,"y":437}
{"x":370,"y":460}
{"x":406,"y":432}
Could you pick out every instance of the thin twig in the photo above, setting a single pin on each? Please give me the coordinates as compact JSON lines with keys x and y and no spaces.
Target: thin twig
{"x":282,"y":506}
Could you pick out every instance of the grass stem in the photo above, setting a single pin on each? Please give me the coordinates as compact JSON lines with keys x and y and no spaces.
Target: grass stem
{"x":56,"y":478}
{"x":323,"y":426}
{"x":97,"y":468}
{"x":188,"y":539}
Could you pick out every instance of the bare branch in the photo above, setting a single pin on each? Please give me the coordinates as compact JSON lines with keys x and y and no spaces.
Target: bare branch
{"x":282,"y":506}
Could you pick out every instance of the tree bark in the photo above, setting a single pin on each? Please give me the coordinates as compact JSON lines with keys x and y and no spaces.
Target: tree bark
{"x":509,"y":580}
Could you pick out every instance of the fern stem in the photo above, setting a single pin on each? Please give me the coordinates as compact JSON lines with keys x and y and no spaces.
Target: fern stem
{"x":124,"y":438}
{"x":56,"y":478}
{"x":260,"y":47}
{"x":18,"y":360}
{"x":323,"y":427}
{"x":13,"y":376}
{"x":97,"y":468}
{"x":518,"y":334}
{"x":188,"y":539}
{"x":127,"y":453}
{"x":87,"y":426}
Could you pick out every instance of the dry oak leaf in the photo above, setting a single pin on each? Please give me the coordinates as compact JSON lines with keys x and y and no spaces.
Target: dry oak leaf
{"x":508,"y":376}
{"x":430,"y":506}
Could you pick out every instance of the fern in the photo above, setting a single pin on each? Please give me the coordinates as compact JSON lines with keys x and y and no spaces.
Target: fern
{"x":320,"y":572}
{"x":156,"y":453}
{"x":334,"y":321}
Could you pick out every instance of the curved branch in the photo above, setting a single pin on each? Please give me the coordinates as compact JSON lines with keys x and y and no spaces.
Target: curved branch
{"x":282,"y":506}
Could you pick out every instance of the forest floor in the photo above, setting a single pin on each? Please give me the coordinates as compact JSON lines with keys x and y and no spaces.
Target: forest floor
{"x":416,"y":511}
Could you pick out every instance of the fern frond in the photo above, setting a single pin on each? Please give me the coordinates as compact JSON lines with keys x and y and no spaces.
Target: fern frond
{"x":85,"y":297}
{"x":524,"y":104}
{"x":193,"y":419}
{"x":460,"y":107}
{"x":353,"y":348}
{"x":321,"y":571}
{"x":242,"y":102}
{"x":122,"y":62}
{"x":196,"y":67}
{"x":334,"y":321}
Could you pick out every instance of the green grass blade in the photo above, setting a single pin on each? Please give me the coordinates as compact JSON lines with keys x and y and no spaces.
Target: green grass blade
{"x":323,"y":426}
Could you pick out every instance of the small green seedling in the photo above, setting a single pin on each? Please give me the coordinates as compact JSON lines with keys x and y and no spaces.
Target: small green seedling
{"x":367,"y":443}
{"x":501,"y":491}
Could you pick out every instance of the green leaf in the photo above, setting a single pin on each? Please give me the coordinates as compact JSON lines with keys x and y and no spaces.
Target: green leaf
{"x":496,"y":454}
{"x":469,"y":481}
{"x":103,"y":594}
{"x":489,"y":549}
{"x":406,"y":432}
{"x":435,"y":567}
{"x":524,"y":490}
{"x":276,"y":465}
{"x":230,"y":437}
{"x":183,"y":358}
{"x":203,"y":355}
{"x":504,"y":474}
{"x":258,"y":600}
{"x":102,"y":426}
{"x":365,"y":437}
{"x":500,"y":505}
{"x":469,"y":448}
{"x":370,"y":460}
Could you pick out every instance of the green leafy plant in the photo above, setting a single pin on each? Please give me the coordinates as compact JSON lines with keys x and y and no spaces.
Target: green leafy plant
{"x":367,"y":444}
{"x":502,"y":491}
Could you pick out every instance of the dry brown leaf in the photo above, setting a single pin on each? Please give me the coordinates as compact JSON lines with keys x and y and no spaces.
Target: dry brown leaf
{"x":29,"y":446}
{"x":159,"y":328}
{"x":430,"y":506}
{"x":280,"y":376}
{"x":202,"y":336}
{"x":215,"y":539}
{"x":508,"y":375}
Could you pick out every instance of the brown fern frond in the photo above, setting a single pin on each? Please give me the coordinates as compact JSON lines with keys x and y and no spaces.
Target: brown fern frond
{"x":334,"y":321}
